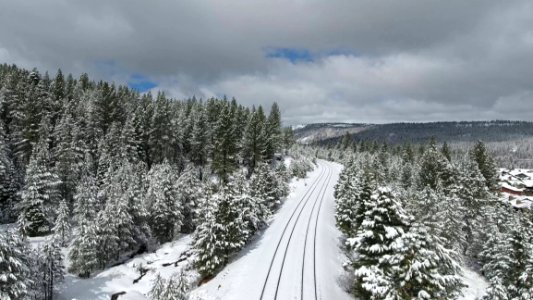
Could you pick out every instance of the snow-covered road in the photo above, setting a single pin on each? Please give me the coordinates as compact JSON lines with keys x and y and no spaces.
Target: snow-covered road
{"x":297,"y":257}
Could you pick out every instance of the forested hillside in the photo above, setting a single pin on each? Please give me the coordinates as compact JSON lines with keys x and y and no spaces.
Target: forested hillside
{"x":414,"y":217}
{"x":108,"y":172}
{"x":398,"y":133}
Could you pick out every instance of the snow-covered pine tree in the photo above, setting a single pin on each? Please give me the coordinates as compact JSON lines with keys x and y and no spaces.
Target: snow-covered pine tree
{"x":163,"y":198}
{"x":61,"y":227}
{"x":175,"y":288}
{"x":86,"y":202}
{"x":231,"y":216}
{"x":452,"y":218}
{"x":191,"y":190}
{"x":40,"y":195}
{"x":68,"y":153}
{"x":14,"y":269}
{"x":406,"y":176}
{"x":83,"y":253}
{"x":253,"y":211}
{"x":264,"y":186}
{"x":434,"y":169}
{"x":159,"y":285}
{"x":446,"y":152}
{"x":225,"y":143}
{"x":254,"y":143}
{"x":208,"y":239}
{"x":108,"y":152}
{"x":129,"y":143}
{"x":159,"y":139}
{"x":199,"y":136}
{"x":8,"y":181}
{"x":282,"y":176}
{"x":223,"y":231}
{"x":273,"y":132}
{"x":485,"y":164}
{"x":426,"y":269}
{"x":367,"y":186}
{"x":378,"y":242}
{"x":507,"y":257}
{"x":347,"y":200}
{"x":496,"y":291}
{"x":134,"y":178}
{"x":395,"y":260}
{"x":50,"y":269}
{"x":474,"y":197}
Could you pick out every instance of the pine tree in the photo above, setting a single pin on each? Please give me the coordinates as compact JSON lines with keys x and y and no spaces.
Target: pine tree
{"x":347,"y":200}
{"x":254,"y":146}
{"x":253,"y":211}
{"x":68,"y":154}
{"x":83,"y":253}
{"x":14,"y":270}
{"x":288,"y":138}
{"x":264,"y":186}
{"x":160,"y":131}
{"x":223,"y":232}
{"x":474,"y":197}
{"x":191,"y":190}
{"x":8,"y":182}
{"x":86,"y":197}
{"x":426,"y":269}
{"x":273,"y":132}
{"x":199,"y":136}
{"x":134,"y":177}
{"x":225,"y":144}
{"x":377,"y":243}
{"x":164,"y":202}
{"x":208,"y":240}
{"x":396,"y":260}
{"x":485,"y":164}
{"x":175,"y":288}
{"x":159,"y":286}
{"x":61,"y":228}
{"x":40,"y":194}
{"x":50,"y":269}
{"x":445,"y":150}
{"x":434,"y":169}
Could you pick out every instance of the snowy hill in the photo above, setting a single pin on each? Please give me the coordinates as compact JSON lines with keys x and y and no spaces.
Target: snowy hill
{"x":415,"y":132}
{"x":310,"y":133}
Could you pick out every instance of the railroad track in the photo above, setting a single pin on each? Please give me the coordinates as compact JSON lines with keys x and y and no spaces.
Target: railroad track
{"x":298,"y":209}
{"x":321,"y":183}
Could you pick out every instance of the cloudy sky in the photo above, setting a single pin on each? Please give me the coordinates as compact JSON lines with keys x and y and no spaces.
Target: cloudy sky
{"x":334,"y":60}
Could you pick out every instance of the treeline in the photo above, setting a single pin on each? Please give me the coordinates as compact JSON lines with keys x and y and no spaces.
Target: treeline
{"x":466,"y":131}
{"x":121,"y":170}
{"x":412,"y":216}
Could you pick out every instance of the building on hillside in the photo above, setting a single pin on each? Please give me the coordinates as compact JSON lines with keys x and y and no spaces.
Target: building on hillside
{"x":516,"y":182}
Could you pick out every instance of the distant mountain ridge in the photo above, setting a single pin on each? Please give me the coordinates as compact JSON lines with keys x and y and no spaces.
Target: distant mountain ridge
{"x":499,"y":130}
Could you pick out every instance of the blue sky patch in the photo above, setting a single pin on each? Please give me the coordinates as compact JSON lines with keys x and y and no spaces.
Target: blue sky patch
{"x":141,"y":83}
{"x":291,"y":54}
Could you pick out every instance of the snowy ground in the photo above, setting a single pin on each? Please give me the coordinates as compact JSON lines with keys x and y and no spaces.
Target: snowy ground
{"x":120,"y":278}
{"x":297,"y":257}
{"x":476,"y":285}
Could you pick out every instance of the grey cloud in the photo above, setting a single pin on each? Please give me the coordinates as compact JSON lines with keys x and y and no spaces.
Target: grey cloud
{"x":410,"y":60}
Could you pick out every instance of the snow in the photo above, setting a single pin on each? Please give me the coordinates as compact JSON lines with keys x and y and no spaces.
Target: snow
{"x":120,"y":278}
{"x":299,"y":126}
{"x":521,"y":202}
{"x":476,"y":285}
{"x":510,"y":187}
{"x":244,"y":278}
